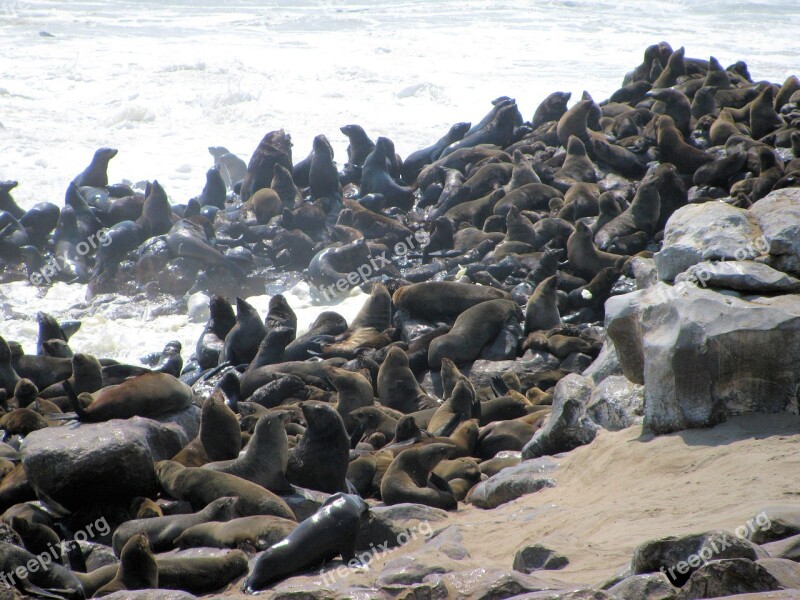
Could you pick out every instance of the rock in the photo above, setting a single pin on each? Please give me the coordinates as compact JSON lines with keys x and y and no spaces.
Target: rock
{"x":740,"y":275}
{"x":644,"y":587}
{"x":97,"y":555}
{"x":304,"y":502}
{"x":536,"y":557}
{"x":727,"y":578}
{"x":187,"y":420}
{"x":773,"y":523}
{"x":778,"y":215}
{"x":645,"y":272}
{"x":110,"y":460}
{"x":568,"y":426}
{"x":576,"y":594}
{"x":512,"y":482}
{"x":528,"y":370}
{"x":408,"y":512}
{"x":703,"y":356}
{"x":379,"y":530}
{"x":784,"y":570}
{"x":708,"y":231}
{"x":678,"y":557}
{"x":150,"y":595}
{"x":605,"y":365}
{"x":490,"y":584}
{"x":616,"y":403}
{"x":448,"y":542}
{"x":414,"y":567}
{"x":576,"y":362}
{"x":785,"y":548}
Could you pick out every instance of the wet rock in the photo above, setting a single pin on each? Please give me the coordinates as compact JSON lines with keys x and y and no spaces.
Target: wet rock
{"x":97,"y":555}
{"x":687,"y":553}
{"x":536,"y":557}
{"x":606,"y":364}
{"x":492,"y":584}
{"x":728,"y":577}
{"x":778,"y":214}
{"x":568,"y":426}
{"x":575,"y":594}
{"x":150,"y":595}
{"x":699,"y":232}
{"x":188,"y":420}
{"x":512,"y":482}
{"x":113,"y":459}
{"x":616,"y":403}
{"x":576,"y":362}
{"x":644,"y":587}
{"x":704,"y":356}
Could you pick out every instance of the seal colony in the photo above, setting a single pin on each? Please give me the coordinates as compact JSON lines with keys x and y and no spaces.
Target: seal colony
{"x":488,"y":257}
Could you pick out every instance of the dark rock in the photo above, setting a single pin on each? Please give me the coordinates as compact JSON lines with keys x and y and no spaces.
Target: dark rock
{"x":537,"y":557}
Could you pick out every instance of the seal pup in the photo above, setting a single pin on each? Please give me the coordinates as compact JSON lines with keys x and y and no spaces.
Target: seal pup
{"x":319,"y":460}
{"x":398,"y":389}
{"x":266,"y":455}
{"x":329,"y":532}
{"x":408,"y":478}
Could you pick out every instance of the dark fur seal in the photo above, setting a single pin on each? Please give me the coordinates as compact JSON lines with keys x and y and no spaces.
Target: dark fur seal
{"x":416,"y":161}
{"x":319,"y":460}
{"x":243,"y":340}
{"x":397,"y":387}
{"x":408,"y":478}
{"x":331,"y":531}
{"x":376,"y":179}
{"x":246,"y":533}
{"x":442,"y":299}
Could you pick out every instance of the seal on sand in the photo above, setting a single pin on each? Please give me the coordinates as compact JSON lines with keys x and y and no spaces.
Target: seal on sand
{"x":408,"y":478}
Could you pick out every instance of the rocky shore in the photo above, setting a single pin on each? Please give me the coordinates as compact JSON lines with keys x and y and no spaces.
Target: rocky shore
{"x":575,"y":374}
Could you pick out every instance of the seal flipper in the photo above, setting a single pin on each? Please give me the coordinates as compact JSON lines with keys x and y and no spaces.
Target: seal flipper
{"x":449,"y":427}
{"x":499,"y":386}
{"x":75,"y":402}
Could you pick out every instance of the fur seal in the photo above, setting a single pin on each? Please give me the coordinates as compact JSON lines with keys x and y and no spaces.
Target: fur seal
{"x":275,"y":148}
{"x":673,"y":149}
{"x":244,"y":339}
{"x":8,"y":376}
{"x":323,"y":178}
{"x":146,"y":395}
{"x":200,"y":574}
{"x":331,"y":531}
{"x":200,"y":487}
{"x":319,"y":460}
{"x":416,"y":161}
{"x":266,"y":455}
{"x":137,"y":568}
{"x":475,"y":328}
{"x":397,"y":387}
{"x":408,"y":478}
{"x":87,"y":376}
{"x":642,"y":215}
{"x":96,"y":175}
{"x":541,"y":311}
{"x":246,"y":533}
{"x":454,"y":410}
{"x":499,"y":130}
{"x":353,"y":391}
{"x":162,"y":531}
{"x":51,"y":581}
{"x":375,"y":179}
{"x":552,"y":108}
{"x":442,"y":299}
{"x":585,"y":259}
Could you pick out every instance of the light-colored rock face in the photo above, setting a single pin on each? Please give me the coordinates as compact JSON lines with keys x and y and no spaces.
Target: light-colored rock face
{"x":616,"y":403}
{"x":742,"y":275}
{"x":778,"y":214}
{"x":709,"y":231}
{"x":703,"y":356}
{"x":512,"y":482}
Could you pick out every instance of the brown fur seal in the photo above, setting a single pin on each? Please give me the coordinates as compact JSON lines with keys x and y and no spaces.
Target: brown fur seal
{"x":574,"y":122}
{"x":87,"y":376}
{"x":137,"y":568}
{"x":541,"y":311}
{"x":246,"y":533}
{"x":641,"y":215}
{"x":319,"y":460}
{"x":473,"y":329}
{"x":353,"y":391}
{"x":397,"y":387}
{"x":442,"y":299}
{"x":146,"y":395}
{"x":551,"y":108}
{"x":266,"y":455}
{"x":673,"y":149}
{"x":330,"y":532}
{"x":454,"y":410}
{"x":219,"y":435}
{"x":202,"y":486}
{"x":200,"y":574}
{"x":162,"y":531}
{"x":243,"y":340}
{"x":408,"y":478}
{"x":585,"y":259}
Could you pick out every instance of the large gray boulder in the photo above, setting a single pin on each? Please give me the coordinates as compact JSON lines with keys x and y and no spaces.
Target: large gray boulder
{"x":729,"y":577}
{"x":708,"y":231}
{"x":512,"y":482}
{"x":703,"y":356}
{"x":744,"y":276}
{"x":109,"y":460}
{"x":778,"y":215}
{"x":568,"y":426}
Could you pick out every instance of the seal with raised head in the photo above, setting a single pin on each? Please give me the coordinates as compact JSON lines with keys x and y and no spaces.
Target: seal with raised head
{"x":265,"y":457}
{"x":330,"y":532}
{"x":137,"y":568}
{"x":641,"y":215}
{"x":397,"y":387}
{"x":319,"y":460}
{"x":244,"y":339}
{"x":541,"y":311}
{"x":585,"y":260}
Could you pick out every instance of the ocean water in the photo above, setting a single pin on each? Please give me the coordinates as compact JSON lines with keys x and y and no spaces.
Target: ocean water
{"x":163,"y":80}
